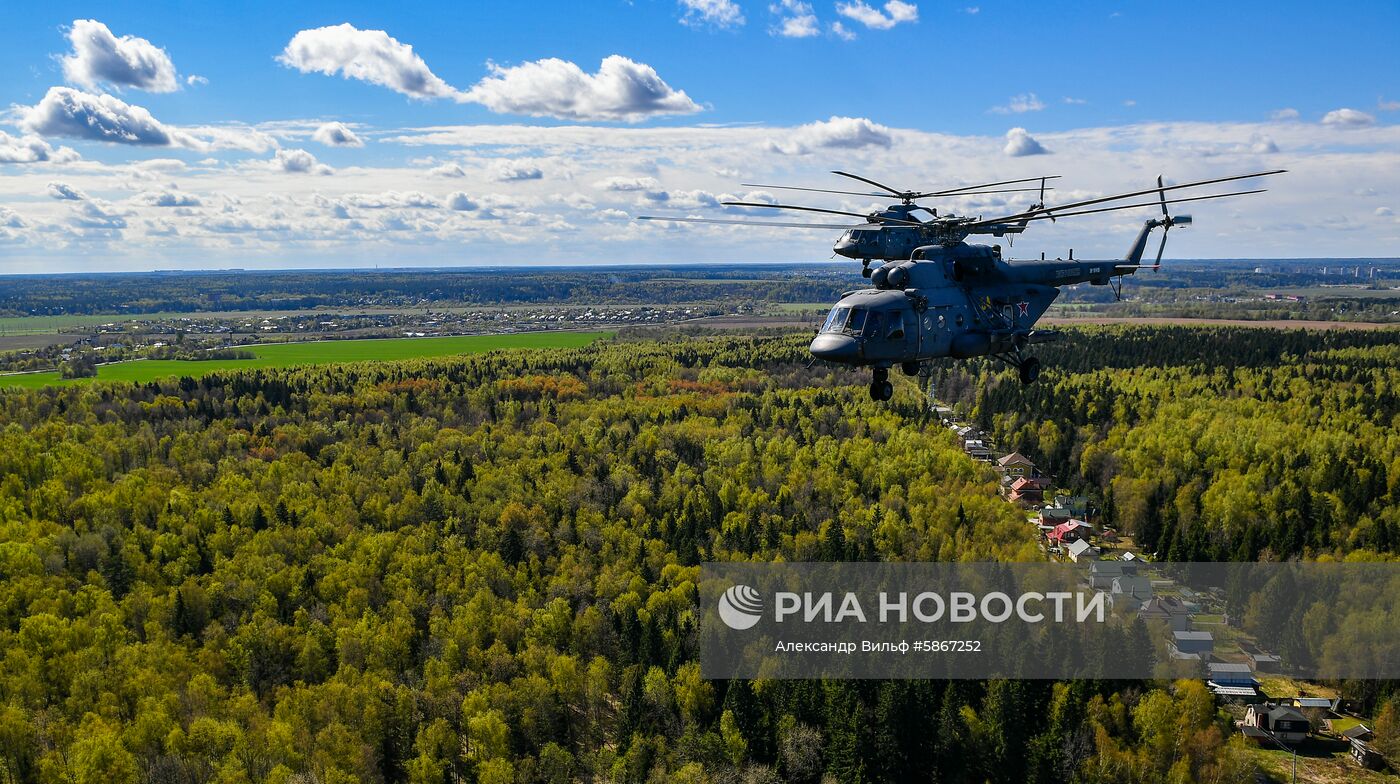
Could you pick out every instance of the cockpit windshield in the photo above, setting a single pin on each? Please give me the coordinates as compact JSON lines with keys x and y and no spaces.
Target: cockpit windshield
{"x":865,"y":322}
{"x":836,"y":321}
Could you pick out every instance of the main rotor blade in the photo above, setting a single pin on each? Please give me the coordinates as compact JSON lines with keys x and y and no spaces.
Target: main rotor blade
{"x":978,"y":224}
{"x":988,"y":185}
{"x":863,"y":216}
{"x":749,"y":223}
{"x":882,"y":195}
{"x":813,"y":190}
{"x":1046,"y":211}
{"x":869,"y":181}
{"x":1161,"y":246}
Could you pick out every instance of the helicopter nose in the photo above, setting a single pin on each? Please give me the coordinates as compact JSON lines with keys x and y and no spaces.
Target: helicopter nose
{"x":846,"y":248}
{"x":834,"y":348}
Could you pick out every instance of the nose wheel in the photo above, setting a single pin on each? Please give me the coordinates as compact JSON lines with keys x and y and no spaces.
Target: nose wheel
{"x":880,"y":387}
{"x":1029,"y":370}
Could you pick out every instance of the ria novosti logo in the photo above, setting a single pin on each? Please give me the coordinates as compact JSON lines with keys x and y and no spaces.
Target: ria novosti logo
{"x":740,"y":607}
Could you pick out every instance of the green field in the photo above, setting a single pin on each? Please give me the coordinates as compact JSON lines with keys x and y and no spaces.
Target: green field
{"x":315,"y":353}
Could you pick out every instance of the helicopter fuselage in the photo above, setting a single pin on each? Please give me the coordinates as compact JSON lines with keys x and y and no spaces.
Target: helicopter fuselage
{"x":955,"y":301}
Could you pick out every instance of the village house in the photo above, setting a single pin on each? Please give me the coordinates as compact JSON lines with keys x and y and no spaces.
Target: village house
{"x":977,"y":450}
{"x":1166,"y":608}
{"x":1366,"y":755}
{"x":1080,"y":549}
{"x":1233,"y":680}
{"x":1026,"y":491}
{"x":1101,"y":573}
{"x":1016,"y":465}
{"x":1129,"y":592}
{"x":1191,"y":645}
{"x":1070,"y":531}
{"x":1284,"y":722}
{"x":1263,"y":662}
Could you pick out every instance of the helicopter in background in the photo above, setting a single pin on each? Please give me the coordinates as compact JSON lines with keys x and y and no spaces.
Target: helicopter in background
{"x":943,"y":297}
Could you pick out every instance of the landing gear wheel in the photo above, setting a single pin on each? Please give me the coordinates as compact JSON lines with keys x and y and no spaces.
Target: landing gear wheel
{"x":881,"y":390}
{"x":1030,"y":370}
{"x":909,"y":368}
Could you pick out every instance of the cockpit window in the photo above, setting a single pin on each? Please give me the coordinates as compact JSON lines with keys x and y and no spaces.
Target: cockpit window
{"x":896,"y":326}
{"x":857,"y":322}
{"x":872,"y":325}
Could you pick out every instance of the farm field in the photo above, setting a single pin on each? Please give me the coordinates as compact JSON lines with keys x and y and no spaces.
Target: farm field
{"x":315,"y":353}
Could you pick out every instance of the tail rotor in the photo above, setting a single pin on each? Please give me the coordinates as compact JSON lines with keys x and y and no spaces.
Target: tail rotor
{"x":1166,"y":222}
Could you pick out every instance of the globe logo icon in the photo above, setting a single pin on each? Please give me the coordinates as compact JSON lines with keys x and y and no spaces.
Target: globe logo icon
{"x":740,"y":607}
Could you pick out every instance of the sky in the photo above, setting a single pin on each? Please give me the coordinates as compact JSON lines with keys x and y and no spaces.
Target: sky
{"x":138,"y":136}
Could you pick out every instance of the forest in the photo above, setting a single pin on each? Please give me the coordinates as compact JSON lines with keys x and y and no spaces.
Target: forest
{"x":482,"y":569}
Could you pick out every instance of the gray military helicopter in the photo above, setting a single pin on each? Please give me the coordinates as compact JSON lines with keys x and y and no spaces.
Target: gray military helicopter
{"x":937,"y":296}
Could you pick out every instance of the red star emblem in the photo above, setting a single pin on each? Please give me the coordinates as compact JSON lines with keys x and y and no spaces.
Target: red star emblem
{"x":1025,"y":308}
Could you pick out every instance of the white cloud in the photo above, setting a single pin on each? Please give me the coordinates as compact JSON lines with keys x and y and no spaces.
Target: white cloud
{"x":1387,"y":106}
{"x":1020,"y":143}
{"x":1074,"y":101}
{"x":1348,"y":118}
{"x":795,"y":19}
{"x":65,"y":192}
{"x":1283,"y":114}
{"x":895,"y":12}
{"x":195,"y":80}
{"x":99,"y":57}
{"x":32,"y":149}
{"x":11,"y":219}
{"x":368,"y":55}
{"x":627,"y":184}
{"x":448,"y":169}
{"x":298,"y":162}
{"x":461,"y":202}
{"x":620,"y":90}
{"x":169,"y":198}
{"x":94,"y":214}
{"x":79,"y":115}
{"x":67,"y":112}
{"x":1384,"y":212}
{"x":1262,"y":144}
{"x":850,"y":133}
{"x":337,"y":134}
{"x":415,"y":200}
{"x":972,"y":10}
{"x":839,"y":30}
{"x":515,"y":171}
{"x":1020,"y":104}
{"x":715,"y":13}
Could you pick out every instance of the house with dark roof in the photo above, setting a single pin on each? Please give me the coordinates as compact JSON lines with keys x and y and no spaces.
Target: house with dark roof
{"x":1166,"y":608}
{"x":1129,"y":591}
{"x":1284,"y":722}
{"x":1191,"y":645}
{"x":1101,"y":573}
{"x":1263,"y":662}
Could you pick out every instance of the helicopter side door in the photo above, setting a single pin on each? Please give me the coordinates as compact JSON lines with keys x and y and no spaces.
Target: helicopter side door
{"x":935,"y":331}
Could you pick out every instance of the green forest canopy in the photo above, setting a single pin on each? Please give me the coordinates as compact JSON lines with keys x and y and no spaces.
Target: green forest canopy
{"x":482,"y":568}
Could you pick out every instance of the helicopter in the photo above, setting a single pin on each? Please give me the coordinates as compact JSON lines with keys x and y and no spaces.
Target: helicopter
{"x":934,"y":295}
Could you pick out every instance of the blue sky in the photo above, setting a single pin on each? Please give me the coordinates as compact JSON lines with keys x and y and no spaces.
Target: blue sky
{"x":924,"y":93}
